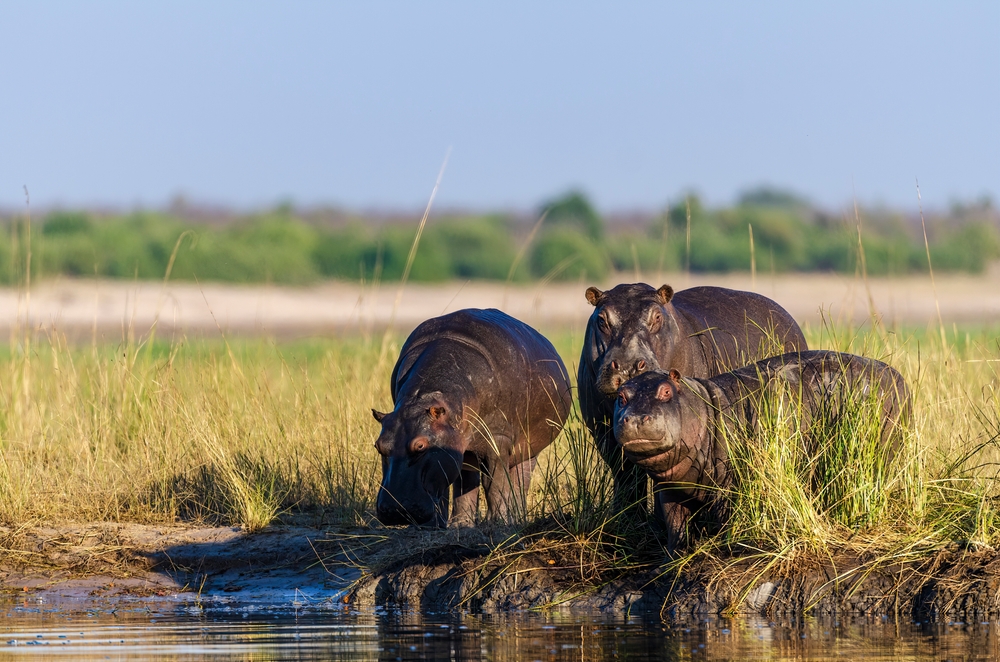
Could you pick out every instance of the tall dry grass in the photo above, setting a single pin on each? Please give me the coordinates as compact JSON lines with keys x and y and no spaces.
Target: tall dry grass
{"x":202,"y":430}
{"x":243,"y":432}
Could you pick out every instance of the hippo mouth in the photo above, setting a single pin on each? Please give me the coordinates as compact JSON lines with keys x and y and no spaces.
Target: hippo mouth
{"x":607,"y":388}
{"x":613,"y":373}
{"x":430,"y":512}
{"x":417,"y":493}
{"x":647,"y":453}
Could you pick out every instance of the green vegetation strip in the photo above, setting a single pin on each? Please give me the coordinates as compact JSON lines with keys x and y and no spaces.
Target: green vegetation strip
{"x":766,"y":231}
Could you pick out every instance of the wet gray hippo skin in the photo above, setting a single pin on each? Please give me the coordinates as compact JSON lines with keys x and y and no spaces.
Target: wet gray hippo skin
{"x":675,"y":428}
{"x":477,"y":395}
{"x":701,"y":331}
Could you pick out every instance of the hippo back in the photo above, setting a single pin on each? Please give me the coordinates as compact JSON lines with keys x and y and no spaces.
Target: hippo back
{"x":826,"y":386}
{"x":736,"y":328}
{"x":523,"y":390}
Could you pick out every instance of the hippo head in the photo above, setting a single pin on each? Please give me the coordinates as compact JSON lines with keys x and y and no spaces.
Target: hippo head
{"x":422,"y":448}
{"x":648,"y":420}
{"x":631,"y":332}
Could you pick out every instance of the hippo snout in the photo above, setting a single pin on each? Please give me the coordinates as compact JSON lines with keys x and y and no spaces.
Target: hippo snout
{"x":617,"y":373}
{"x":634,"y":425}
{"x":635,"y":422}
{"x":416,"y":492}
{"x":418,"y":510}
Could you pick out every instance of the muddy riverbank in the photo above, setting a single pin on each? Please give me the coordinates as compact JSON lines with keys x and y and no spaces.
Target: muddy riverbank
{"x":107,"y":566}
{"x":950,"y":584}
{"x":111,"y":566}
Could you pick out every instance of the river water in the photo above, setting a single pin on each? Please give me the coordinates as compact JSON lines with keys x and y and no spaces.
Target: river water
{"x":330,"y":631}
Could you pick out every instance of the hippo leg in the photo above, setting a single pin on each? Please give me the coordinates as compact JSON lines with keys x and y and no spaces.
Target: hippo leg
{"x":520,"y":483}
{"x":630,"y":481}
{"x":505,"y":488}
{"x":674,"y":514}
{"x":630,"y":491}
{"x":466,"y":493}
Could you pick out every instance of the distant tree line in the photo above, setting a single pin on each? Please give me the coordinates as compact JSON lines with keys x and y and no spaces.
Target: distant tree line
{"x":766,"y":229}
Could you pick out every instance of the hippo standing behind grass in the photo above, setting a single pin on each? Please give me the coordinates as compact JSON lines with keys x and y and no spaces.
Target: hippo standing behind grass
{"x":477,"y":395}
{"x":701,"y":332}
{"x":678,"y":429}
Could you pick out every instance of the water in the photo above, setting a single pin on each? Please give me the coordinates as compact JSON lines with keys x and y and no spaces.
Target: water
{"x":330,"y":631}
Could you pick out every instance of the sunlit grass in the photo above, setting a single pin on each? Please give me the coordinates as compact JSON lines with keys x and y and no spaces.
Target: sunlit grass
{"x":245,"y":433}
{"x":197,"y":430}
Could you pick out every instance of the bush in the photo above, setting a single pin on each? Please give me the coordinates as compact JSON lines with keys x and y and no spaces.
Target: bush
{"x":479,"y":248}
{"x":970,"y":248}
{"x":566,"y":254}
{"x":575,"y":210}
{"x":349,"y":253}
{"x":431,"y":263}
{"x":714,"y":247}
{"x":65,"y":223}
{"x":776,"y":232}
{"x":653,"y":253}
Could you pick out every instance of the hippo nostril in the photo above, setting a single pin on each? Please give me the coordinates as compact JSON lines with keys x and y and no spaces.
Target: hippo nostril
{"x":645,"y":419}
{"x":614,"y":365}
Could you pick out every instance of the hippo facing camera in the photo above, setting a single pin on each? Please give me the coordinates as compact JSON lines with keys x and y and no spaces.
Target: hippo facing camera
{"x":701,"y":332}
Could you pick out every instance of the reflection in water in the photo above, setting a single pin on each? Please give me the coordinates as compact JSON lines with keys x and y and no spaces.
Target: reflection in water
{"x":257,"y":633}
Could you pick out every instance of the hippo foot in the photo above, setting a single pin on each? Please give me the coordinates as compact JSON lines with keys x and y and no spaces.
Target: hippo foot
{"x":462,"y":523}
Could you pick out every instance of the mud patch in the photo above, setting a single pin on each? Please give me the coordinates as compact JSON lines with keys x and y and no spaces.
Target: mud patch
{"x":117,"y":566}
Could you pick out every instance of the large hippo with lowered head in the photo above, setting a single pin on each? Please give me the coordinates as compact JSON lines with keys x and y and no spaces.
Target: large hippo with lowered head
{"x":477,"y":395}
{"x":679,"y":429}
{"x":701,"y":332}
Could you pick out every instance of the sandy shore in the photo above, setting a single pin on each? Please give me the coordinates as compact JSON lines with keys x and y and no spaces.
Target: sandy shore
{"x":81,"y":307}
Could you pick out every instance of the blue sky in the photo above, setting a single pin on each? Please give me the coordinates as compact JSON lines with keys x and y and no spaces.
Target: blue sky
{"x":244,"y":104}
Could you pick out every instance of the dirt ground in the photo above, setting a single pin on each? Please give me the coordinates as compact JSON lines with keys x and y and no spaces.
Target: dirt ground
{"x":108,"y":308}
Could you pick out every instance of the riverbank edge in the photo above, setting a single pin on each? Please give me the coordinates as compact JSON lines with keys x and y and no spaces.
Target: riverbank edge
{"x":953,"y":584}
{"x":79,"y":565}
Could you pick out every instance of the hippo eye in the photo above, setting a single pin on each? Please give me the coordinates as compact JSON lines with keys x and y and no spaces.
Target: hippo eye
{"x":602,"y":324}
{"x":656,"y":321}
{"x":419,"y":445}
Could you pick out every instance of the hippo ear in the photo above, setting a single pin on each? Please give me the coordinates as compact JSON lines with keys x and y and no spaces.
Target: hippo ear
{"x":594,"y":296}
{"x":378,"y":415}
{"x":675,"y":377}
{"x":665,"y":294}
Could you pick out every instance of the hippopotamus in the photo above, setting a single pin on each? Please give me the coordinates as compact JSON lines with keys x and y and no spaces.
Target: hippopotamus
{"x":701,"y":331}
{"x":678,"y":429}
{"x":476,"y":396}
